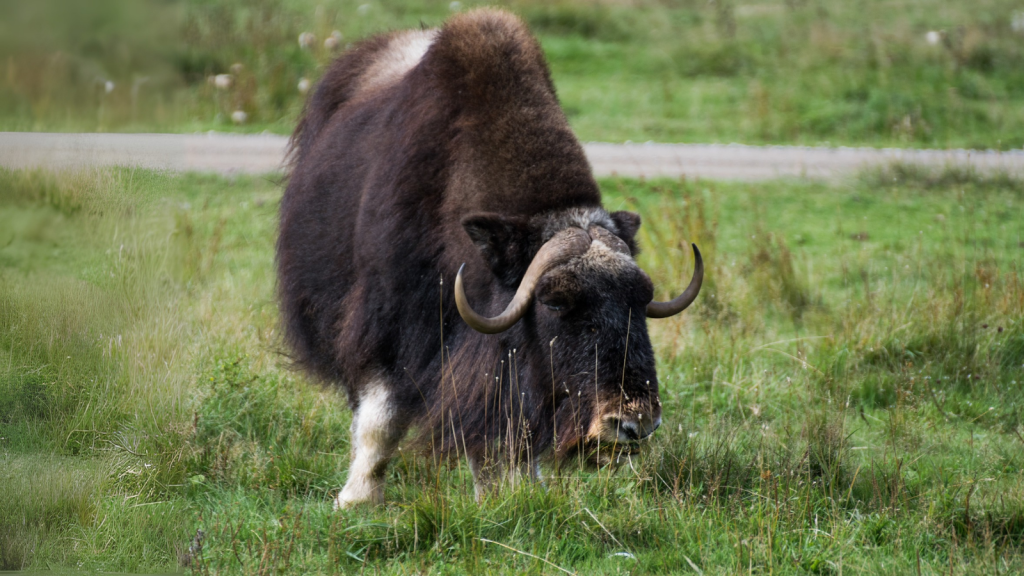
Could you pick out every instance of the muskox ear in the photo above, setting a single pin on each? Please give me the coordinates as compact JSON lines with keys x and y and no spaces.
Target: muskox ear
{"x":503,"y":242}
{"x":628,"y":223}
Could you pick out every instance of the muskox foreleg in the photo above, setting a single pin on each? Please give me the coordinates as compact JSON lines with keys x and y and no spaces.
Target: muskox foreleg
{"x":376,"y":432}
{"x":492,"y":470}
{"x":487,"y":472}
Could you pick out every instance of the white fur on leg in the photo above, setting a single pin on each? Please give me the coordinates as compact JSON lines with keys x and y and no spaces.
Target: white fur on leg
{"x":375,"y":435}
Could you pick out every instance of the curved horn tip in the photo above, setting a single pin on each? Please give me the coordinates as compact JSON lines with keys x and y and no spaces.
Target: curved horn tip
{"x":679,"y":303}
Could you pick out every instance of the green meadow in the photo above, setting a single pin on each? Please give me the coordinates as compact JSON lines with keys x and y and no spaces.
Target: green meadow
{"x":909,"y":73}
{"x":845,"y":396}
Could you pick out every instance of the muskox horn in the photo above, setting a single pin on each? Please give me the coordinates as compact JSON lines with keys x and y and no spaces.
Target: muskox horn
{"x":679,"y":303}
{"x":566,"y":244}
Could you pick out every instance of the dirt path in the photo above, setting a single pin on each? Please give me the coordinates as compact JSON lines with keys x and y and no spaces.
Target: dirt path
{"x":231,"y":153}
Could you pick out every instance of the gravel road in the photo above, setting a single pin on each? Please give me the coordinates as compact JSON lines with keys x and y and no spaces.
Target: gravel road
{"x":232,"y":153}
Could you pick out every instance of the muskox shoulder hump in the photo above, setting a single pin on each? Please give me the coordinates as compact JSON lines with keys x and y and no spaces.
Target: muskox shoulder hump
{"x":489,"y":54}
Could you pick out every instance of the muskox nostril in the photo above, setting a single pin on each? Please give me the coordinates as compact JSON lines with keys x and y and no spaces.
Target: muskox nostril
{"x":657,"y":424}
{"x":631,"y":431}
{"x":646,"y":431}
{"x":627,"y":430}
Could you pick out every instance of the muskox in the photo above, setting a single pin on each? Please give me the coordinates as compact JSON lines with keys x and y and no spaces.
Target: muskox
{"x":444,"y":258}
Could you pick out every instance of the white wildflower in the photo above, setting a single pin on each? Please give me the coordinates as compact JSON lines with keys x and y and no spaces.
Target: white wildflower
{"x":306,"y":40}
{"x":239,"y":117}
{"x":455,"y":6}
{"x":333,"y":41}
{"x":1017,"y":22}
{"x":108,"y":86}
{"x":304,"y":85}
{"x":223,"y":81}
{"x":933,"y":37}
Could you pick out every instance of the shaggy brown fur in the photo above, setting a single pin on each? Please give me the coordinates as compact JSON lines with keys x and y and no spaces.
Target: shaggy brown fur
{"x":466,"y":157}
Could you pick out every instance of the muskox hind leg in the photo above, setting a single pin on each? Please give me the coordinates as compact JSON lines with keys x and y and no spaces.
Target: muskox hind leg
{"x":376,"y":432}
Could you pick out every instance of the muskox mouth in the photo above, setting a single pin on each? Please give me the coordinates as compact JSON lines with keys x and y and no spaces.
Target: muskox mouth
{"x":616,"y":453}
{"x":596,"y":453}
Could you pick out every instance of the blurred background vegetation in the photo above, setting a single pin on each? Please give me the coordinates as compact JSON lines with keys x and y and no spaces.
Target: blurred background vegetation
{"x":918,"y":73}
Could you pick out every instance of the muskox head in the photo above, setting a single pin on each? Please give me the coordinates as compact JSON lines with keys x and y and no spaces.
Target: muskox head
{"x":579,"y":314}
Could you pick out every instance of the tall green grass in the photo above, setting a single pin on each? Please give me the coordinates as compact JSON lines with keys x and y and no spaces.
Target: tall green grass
{"x":97,"y":272}
{"x":846,"y":395}
{"x":807,"y":72}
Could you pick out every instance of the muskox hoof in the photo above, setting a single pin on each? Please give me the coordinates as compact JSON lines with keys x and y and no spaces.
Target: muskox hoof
{"x":341,"y":502}
{"x":351,"y":496}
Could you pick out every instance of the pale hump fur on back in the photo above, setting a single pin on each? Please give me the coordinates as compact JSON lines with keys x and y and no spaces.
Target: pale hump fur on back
{"x":402,"y":54}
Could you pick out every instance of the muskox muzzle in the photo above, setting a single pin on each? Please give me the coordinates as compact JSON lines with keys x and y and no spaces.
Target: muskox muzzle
{"x":628,"y":429}
{"x":613,"y":436}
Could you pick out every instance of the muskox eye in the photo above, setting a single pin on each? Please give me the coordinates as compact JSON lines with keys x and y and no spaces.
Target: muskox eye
{"x":557,"y":303}
{"x":558,"y":306}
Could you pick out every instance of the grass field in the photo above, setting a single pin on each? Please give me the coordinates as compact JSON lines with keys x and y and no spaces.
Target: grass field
{"x":846,"y":395}
{"x":793,"y":71}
